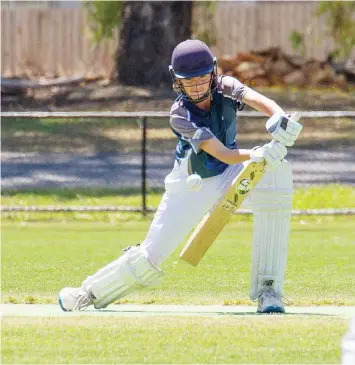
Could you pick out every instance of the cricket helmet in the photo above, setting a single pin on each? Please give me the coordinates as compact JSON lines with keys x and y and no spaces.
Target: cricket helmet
{"x":192,"y":58}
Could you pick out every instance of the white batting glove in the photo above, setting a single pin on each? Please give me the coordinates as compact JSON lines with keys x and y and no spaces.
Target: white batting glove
{"x":284,"y":128}
{"x":272,"y":153}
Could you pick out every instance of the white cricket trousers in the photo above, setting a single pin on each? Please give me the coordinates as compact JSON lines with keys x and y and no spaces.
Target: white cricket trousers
{"x":181,"y":209}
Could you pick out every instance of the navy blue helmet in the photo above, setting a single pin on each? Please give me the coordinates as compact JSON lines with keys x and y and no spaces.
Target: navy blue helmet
{"x":192,"y":58}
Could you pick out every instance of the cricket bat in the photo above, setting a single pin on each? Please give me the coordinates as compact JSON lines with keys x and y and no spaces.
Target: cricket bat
{"x":217,"y":218}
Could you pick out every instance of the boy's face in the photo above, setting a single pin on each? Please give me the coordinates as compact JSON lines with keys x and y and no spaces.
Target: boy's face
{"x":196,"y":87}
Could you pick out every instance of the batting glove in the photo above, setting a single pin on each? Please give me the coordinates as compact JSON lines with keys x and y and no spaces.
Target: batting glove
{"x":272,"y":153}
{"x":284,"y":128}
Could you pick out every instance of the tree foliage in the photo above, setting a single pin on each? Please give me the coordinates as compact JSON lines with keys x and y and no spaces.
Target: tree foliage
{"x":340,"y":19}
{"x":297,"y":41}
{"x":205,"y":29}
{"x":103,"y":17}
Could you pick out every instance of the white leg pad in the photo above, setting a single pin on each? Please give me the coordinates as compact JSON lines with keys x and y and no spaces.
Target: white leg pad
{"x":271,"y":202}
{"x":131,"y":272}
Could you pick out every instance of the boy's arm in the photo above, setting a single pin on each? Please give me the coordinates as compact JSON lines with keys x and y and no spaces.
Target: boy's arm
{"x":217,"y":149}
{"x":261,"y":103}
{"x":284,"y":128}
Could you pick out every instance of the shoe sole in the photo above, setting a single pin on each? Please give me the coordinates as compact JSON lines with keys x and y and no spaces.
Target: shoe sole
{"x":61,"y":304}
{"x":271,"y":309}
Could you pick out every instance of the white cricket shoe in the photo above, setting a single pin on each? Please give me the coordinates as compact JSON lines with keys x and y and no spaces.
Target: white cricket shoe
{"x":74,"y":299}
{"x":270,"y":302}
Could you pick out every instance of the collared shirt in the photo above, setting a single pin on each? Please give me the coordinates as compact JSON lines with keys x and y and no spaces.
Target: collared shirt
{"x":192,"y":125}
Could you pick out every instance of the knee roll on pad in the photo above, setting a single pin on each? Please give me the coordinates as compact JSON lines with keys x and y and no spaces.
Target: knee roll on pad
{"x":271,"y":202}
{"x":131,"y":272}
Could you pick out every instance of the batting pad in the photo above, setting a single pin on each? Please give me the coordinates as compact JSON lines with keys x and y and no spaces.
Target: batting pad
{"x":271,"y":202}
{"x":131,"y":272}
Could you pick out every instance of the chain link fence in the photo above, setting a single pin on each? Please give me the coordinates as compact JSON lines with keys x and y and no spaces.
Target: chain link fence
{"x":135,"y":151}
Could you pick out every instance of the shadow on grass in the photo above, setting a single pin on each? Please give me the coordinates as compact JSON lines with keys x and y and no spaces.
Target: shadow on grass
{"x":75,"y":134}
{"x":50,"y":134}
{"x":110,"y":135}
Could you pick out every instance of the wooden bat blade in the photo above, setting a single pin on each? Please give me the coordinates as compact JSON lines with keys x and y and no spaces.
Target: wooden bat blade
{"x":204,"y":235}
{"x":217,"y":218}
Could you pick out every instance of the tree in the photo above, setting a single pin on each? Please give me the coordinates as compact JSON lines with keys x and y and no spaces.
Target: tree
{"x":340,"y":20}
{"x":103,"y":17}
{"x":149,"y":31}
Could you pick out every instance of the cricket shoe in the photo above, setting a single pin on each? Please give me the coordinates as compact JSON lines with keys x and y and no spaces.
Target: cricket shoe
{"x":74,"y":299}
{"x":270,"y":302}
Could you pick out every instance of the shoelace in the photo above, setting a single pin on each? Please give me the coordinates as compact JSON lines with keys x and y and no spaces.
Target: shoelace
{"x":272,"y":294}
{"x":268,"y":293}
{"x":83,"y":302}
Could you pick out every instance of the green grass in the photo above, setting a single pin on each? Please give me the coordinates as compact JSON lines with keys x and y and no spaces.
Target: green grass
{"x":39,"y":258}
{"x":59,"y":125}
{"x":43,"y":252}
{"x":326,"y":196}
{"x":80,"y":197}
{"x":176,"y":340}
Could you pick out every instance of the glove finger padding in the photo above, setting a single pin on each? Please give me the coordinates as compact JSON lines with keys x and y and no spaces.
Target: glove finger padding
{"x":283,"y":137}
{"x":274,"y":152}
{"x":270,"y":153}
{"x":283,"y":128}
{"x":280,"y":149}
{"x":276,"y":149}
{"x":271,"y":162}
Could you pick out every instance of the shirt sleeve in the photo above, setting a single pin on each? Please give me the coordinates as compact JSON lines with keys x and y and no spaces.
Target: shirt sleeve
{"x":232,"y":87}
{"x":181,"y":122}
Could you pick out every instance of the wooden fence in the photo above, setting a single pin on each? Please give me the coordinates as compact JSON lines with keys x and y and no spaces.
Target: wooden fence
{"x":259,"y":25}
{"x":51,"y":42}
{"x":55,"y":42}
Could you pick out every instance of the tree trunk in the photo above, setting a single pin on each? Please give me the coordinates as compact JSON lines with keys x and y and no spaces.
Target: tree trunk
{"x":149,"y":32}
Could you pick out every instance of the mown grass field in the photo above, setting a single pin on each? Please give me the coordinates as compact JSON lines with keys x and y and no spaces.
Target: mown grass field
{"x":175,"y":340}
{"x":61,"y":237}
{"x":43,"y":252}
{"x":40,"y":257}
{"x":313,"y":197}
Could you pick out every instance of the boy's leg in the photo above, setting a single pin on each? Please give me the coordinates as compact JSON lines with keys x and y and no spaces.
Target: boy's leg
{"x":179,"y":211}
{"x":177,"y":215}
{"x":271,"y":202}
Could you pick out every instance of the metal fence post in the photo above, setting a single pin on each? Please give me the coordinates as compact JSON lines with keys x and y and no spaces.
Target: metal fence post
{"x":144,"y":165}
